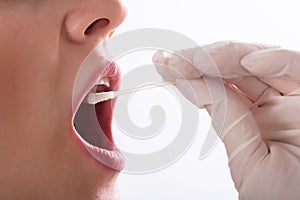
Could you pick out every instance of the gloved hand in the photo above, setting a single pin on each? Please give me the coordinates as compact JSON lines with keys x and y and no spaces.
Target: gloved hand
{"x":252,"y":94}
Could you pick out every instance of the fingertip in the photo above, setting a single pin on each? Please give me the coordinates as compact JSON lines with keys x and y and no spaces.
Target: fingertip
{"x":164,"y":73}
{"x":249,"y":62}
{"x":158,"y":57}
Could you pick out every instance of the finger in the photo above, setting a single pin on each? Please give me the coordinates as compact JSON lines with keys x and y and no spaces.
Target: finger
{"x":277,"y":67}
{"x":160,"y":62}
{"x":197,"y":94}
{"x":284,"y":84}
{"x":232,"y":120}
{"x":224,"y":58}
{"x":177,"y":65}
{"x":220,"y":59}
{"x":250,"y":86}
{"x":195,"y":91}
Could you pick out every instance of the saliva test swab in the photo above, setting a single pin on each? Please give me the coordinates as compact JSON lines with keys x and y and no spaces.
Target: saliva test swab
{"x":94,"y":98}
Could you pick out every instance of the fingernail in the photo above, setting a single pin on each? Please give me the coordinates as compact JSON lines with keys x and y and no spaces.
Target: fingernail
{"x":249,"y":63}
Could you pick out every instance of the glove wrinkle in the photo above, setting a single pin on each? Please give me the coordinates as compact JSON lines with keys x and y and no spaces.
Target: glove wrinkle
{"x":243,"y":146}
{"x":230,"y":127}
{"x":268,"y":94}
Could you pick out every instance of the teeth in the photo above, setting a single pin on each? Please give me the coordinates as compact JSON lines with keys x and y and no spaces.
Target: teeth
{"x":103,"y":81}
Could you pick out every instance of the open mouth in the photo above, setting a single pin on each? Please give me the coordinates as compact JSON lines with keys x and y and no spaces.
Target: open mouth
{"x":93,"y":122}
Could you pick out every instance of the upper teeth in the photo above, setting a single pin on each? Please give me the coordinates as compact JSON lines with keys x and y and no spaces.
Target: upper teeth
{"x":103,"y":81}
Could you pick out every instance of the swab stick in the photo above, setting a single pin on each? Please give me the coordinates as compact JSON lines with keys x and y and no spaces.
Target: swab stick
{"x":95,"y":98}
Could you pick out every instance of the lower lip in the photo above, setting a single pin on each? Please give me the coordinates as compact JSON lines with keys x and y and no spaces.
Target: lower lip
{"x":111,"y":158}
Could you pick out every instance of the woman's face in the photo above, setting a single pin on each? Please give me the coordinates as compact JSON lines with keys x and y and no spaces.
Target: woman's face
{"x":42,"y":46}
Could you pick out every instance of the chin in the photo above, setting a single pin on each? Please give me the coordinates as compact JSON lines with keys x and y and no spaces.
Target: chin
{"x":111,"y":193}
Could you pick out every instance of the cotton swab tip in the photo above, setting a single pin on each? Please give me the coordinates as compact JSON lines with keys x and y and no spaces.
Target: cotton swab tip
{"x":95,"y":98}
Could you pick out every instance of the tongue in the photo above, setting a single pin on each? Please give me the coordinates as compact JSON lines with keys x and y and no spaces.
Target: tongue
{"x":104,"y":112}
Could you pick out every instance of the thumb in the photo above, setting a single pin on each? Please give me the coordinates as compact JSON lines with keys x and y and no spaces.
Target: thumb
{"x":232,"y":120}
{"x":279,"y":68}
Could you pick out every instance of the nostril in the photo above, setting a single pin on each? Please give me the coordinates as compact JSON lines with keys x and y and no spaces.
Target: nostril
{"x":99,"y":23}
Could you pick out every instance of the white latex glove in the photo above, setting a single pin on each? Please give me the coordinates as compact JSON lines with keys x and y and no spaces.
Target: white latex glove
{"x":261,"y":129}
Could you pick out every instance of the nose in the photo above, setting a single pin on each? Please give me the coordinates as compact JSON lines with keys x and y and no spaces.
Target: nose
{"x":93,"y":21}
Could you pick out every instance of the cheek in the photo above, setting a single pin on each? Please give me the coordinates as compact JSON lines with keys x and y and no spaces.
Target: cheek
{"x":24,"y":70}
{"x":29,"y":49}
{"x":28,"y":70}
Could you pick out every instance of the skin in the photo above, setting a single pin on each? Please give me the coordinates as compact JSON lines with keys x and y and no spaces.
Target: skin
{"x":42,"y":44}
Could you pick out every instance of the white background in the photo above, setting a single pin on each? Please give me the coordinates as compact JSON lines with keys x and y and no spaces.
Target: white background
{"x":273,"y":22}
